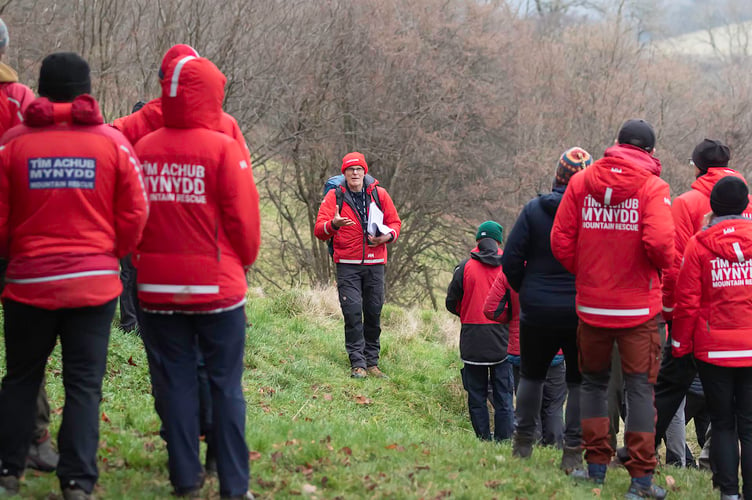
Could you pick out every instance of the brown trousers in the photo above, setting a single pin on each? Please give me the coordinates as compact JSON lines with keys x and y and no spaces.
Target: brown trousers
{"x":640,"y":349}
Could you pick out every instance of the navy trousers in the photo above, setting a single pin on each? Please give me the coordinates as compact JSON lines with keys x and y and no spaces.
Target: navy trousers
{"x":30,"y":337}
{"x":476,"y":379}
{"x":221,"y":339}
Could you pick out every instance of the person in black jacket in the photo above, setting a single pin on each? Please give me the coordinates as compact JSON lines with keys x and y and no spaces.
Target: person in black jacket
{"x":483,"y":342}
{"x":548,"y":320}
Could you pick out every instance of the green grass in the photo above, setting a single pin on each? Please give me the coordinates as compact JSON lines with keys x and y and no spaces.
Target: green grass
{"x":316,"y":433}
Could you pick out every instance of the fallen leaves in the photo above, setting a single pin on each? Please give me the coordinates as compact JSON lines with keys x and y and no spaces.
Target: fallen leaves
{"x":131,"y":362}
{"x":395,"y":446}
{"x":671,"y":483}
{"x":254,"y":455}
{"x":363,"y":400}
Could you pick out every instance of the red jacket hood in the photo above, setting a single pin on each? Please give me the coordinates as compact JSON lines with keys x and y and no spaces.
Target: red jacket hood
{"x":728,"y":238}
{"x":192,"y":93}
{"x":84,"y":110}
{"x":620,"y":173}
{"x":705,"y":183}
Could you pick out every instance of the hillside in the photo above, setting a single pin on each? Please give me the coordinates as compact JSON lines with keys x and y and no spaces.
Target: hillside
{"x":316,"y":433}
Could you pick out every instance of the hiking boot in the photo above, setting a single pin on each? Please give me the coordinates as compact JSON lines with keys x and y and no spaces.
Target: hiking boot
{"x":637,"y":491}
{"x":571,"y":458}
{"x":73,"y":493}
{"x":582,"y":476}
{"x":730,"y":497}
{"x":9,"y":485}
{"x":522,"y":446}
{"x":358,"y":372}
{"x":374,"y":371}
{"x":42,"y":456}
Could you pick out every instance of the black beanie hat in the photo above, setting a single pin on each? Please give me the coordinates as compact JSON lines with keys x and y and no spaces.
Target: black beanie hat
{"x":637,"y":133}
{"x":729,"y":196}
{"x":710,"y":153}
{"x":64,"y":76}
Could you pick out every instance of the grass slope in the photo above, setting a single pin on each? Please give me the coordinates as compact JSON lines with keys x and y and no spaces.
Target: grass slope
{"x":316,"y":433}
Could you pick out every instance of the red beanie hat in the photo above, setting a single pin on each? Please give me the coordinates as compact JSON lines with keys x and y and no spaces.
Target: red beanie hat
{"x":175,"y":52}
{"x":354,"y":159}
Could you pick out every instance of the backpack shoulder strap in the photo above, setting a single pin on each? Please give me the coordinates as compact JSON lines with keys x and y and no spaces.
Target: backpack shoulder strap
{"x":339,"y":195}
{"x":375,"y":196}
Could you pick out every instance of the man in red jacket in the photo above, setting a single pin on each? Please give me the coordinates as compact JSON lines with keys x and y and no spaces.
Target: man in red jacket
{"x":203,"y":233}
{"x":713,"y":322}
{"x":360,"y":257}
{"x":710,"y":160}
{"x":614,"y":232}
{"x":77,"y":205}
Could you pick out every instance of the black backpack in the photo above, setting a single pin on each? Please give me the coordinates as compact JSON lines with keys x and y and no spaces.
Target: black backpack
{"x":334,"y":182}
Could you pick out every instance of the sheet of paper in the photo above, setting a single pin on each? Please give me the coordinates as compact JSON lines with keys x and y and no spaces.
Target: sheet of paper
{"x":376,"y":221}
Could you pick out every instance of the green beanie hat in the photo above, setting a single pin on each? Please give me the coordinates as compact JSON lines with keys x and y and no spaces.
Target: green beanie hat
{"x":490,"y":229}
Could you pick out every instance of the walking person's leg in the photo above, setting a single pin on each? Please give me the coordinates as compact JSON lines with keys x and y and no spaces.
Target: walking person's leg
{"x":537,"y":349}
{"x":30,"y":336}
{"x":676,"y":439}
{"x":718,"y":383}
{"x":175,"y":338}
{"x":503,"y":389}
{"x":373,"y":301}
{"x":475,"y":381}
{"x":595,"y":350}
{"x":552,"y":409}
{"x":640,"y":350}
{"x":571,"y":456}
{"x":743,"y":400}
{"x":350,"y":290}
{"x":222,"y":340}
{"x":42,"y":456}
{"x":84,"y":337}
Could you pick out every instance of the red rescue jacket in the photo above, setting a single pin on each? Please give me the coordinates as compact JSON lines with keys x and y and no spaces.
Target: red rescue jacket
{"x":688,"y":211}
{"x":614,"y":232}
{"x":503,"y":306}
{"x":713,"y":315}
{"x":71,"y":204}
{"x":350,"y":242}
{"x":204,"y":226}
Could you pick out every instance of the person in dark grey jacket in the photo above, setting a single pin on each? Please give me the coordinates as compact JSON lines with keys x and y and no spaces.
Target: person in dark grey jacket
{"x":548,"y":320}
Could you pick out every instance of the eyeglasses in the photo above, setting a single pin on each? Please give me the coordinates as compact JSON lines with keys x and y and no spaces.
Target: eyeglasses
{"x":355,"y":170}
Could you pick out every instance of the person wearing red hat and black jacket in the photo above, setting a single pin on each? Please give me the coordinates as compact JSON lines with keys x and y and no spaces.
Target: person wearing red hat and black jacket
{"x":202,"y":234}
{"x":483,"y":341}
{"x":713,"y":322}
{"x":614,"y":232}
{"x":360,"y":257}
{"x":710,"y":160}
{"x":69,"y":174}
{"x":549,"y":319}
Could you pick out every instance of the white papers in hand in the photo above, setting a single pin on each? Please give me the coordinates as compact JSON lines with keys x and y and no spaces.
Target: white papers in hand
{"x":376,"y":221}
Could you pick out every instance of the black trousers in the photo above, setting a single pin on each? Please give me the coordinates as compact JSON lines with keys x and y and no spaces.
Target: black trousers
{"x":539,"y":345}
{"x":361,"y":297}
{"x":129,"y":297}
{"x":674,"y":380}
{"x":728,"y":392}
{"x":30,"y":336}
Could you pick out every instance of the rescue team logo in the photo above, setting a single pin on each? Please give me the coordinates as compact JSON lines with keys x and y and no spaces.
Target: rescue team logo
{"x":725,"y":274}
{"x":181,"y":182}
{"x":622,"y":217}
{"x":62,"y":172}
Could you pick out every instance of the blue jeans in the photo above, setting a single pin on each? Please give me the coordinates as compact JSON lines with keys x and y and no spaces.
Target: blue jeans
{"x":475,"y":379}
{"x":221,"y":338}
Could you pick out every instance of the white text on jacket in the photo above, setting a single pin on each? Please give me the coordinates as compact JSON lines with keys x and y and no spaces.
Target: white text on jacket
{"x":622,"y":217}
{"x":62,"y":172}
{"x":180,"y":182}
